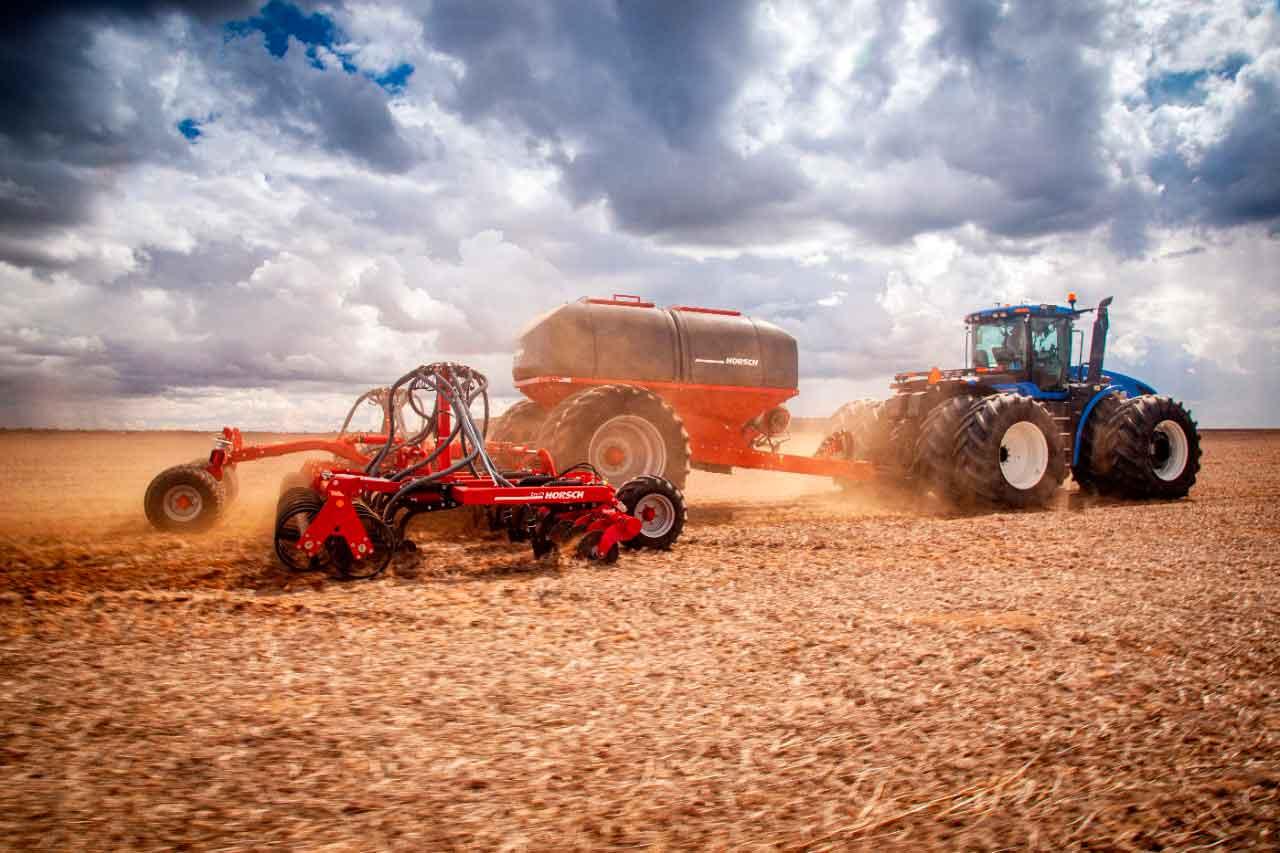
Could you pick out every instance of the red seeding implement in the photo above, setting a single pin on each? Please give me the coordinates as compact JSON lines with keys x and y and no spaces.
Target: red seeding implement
{"x":354,"y":522}
{"x":634,"y":389}
{"x":193,"y":496}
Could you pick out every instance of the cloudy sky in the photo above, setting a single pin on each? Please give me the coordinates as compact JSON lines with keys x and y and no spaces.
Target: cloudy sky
{"x":220,"y":212}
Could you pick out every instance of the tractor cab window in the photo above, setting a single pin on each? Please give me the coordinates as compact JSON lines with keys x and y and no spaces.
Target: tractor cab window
{"x":1000,"y":343}
{"x":1050,"y":351}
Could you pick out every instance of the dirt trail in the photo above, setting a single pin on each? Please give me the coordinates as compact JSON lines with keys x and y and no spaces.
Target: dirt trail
{"x":806,"y":671}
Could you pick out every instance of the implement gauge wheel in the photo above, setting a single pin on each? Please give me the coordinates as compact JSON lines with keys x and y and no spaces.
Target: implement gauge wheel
{"x":622,"y":431}
{"x":184,"y":499}
{"x":660,"y":507}
{"x":1148,"y":448}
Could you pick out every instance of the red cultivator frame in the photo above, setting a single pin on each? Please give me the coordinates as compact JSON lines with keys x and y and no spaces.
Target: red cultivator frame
{"x":192,"y":497}
{"x":354,"y":522}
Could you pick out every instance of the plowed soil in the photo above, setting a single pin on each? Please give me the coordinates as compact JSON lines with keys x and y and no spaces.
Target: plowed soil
{"x":806,"y":670}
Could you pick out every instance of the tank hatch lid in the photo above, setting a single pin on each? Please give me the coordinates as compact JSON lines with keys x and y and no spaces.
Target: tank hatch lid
{"x":625,"y":299}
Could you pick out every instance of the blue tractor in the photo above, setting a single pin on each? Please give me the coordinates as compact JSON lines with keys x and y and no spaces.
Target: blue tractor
{"x":1005,"y":429}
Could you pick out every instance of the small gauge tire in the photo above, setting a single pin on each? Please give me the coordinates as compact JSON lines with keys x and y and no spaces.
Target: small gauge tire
{"x":663,"y":502}
{"x":184,"y":499}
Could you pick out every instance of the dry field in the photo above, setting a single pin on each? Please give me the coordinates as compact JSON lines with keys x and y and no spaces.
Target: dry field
{"x":805,"y":671}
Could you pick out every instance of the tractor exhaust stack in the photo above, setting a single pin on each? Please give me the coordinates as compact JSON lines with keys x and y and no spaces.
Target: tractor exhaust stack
{"x":1098,"y":344}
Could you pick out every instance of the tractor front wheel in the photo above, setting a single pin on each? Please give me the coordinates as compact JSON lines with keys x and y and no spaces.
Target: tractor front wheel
{"x":184,"y":498}
{"x":1149,"y":448}
{"x":1007,"y":453}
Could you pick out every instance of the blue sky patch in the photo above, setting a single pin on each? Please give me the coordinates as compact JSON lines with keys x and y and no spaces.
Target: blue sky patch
{"x":190,"y":128}
{"x":277,"y":21}
{"x":394,"y":80}
{"x":1185,"y":87}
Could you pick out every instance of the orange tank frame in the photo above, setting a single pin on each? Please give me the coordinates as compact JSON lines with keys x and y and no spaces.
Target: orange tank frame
{"x":718,"y":419}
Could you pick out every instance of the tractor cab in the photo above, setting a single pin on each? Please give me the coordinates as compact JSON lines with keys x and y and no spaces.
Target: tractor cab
{"x":1031,"y":343}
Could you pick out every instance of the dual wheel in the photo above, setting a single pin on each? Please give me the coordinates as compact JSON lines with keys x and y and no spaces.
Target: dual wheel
{"x":1141,"y":447}
{"x":1006,"y":450}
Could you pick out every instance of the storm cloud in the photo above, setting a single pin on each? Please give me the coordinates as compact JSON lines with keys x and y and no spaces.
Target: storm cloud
{"x":204,"y":202}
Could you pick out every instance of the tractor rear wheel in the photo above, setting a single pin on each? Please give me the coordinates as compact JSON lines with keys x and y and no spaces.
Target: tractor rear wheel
{"x":864,"y":420}
{"x":1149,"y":448}
{"x":859,"y":431}
{"x":933,"y":462}
{"x":519,"y":424}
{"x":621,"y":431}
{"x":184,"y":499}
{"x":660,"y":507}
{"x":1007,"y":453}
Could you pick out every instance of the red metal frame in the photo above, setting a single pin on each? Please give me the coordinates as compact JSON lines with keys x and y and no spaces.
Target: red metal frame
{"x":598,"y":507}
{"x":717,"y":418}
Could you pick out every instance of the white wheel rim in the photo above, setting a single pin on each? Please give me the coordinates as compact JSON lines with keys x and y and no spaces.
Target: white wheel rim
{"x":657,"y":515}
{"x":1024,"y":455}
{"x":627,"y":446}
{"x":1176,"y":462}
{"x":182,"y":503}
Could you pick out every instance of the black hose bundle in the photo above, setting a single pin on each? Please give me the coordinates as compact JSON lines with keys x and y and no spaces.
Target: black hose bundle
{"x":460,"y":386}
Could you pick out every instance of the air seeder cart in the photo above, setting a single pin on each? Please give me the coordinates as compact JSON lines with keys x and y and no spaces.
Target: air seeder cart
{"x":635,"y":389}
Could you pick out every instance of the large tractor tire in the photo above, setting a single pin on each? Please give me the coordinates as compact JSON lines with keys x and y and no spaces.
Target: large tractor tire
{"x":865,"y":423}
{"x":859,"y":431}
{"x":1148,"y":448}
{"x":1007,"y":453}
{"x":934,"y":459}
{"x":1084,"y":471}
{"x":519,"y":424}
{"x":184,"y":499}
{"x":622,"y":431}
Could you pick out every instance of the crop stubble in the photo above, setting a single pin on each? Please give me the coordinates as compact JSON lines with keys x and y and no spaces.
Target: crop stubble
{"x":805,"y":671}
